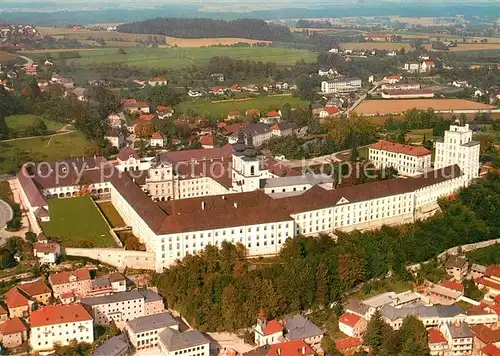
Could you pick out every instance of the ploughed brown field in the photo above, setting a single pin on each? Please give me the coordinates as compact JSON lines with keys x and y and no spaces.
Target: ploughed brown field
{"x":385,"y":107}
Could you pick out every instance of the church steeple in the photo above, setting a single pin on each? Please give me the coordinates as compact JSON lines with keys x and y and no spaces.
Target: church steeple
{"x":240,"y":146}
{"x":250,"y":149}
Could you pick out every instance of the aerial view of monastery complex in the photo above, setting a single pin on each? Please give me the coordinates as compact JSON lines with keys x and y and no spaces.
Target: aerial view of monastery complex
{"x":264,"y":179}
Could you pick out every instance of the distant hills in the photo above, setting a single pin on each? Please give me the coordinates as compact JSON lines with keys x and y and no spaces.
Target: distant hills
{"x":209,"y":28}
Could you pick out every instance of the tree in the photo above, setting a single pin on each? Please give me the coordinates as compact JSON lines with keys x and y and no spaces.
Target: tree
{"x":322,"y":288}
{"x":375,"y":330}
{"x":30,"y":236}
{"x":6,"y":259}
{"x":413,"y":337}
{"x":486,"y":142}
{"x":4,"y":130}
{"x":471,"y":290}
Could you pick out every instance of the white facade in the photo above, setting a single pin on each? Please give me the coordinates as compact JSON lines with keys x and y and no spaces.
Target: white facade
{"x":117,"y":307}
{"x":405,"y":164}
{"x":341,"y":85}
{"x":459,"y":148}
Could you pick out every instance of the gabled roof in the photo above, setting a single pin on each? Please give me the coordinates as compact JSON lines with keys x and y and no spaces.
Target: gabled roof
{"x":486,"y":334}
{"x":59,"y":314}
{"x":490,"y":350}
{"x":64,"y":277}
{"x":273,"y":113}
{"x":492,"y":271}
{"x":208,"y":140}
{"x":157,"y":136}
{"x":300,"y":328}
{"x":349,"y":319}
{"x":51,"y":247}
{"x":152,"y":322}
{"x":459,"y":287}
{"x":290,"y":348}
{"x":272,"y":327}
{"x":15,"y":299}
{"x":126,"y":153}
{"x":35,"y":288}
{"x":347,"y":343}
{"x":12,"y":326}
{"x":434,"y":336}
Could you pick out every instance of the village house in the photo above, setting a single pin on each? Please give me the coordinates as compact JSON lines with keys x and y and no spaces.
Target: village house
{"x":438,"y":345}
{"x":252,"y":112}
{"x":141,"y":120}
{"x":267,"y":332}
{"x":352,"y":324}
{"x":427,"y":66}
{"x":290,"y":348}
{"x":412,"y":67}
{"x":300,"y":328}
{"x":31,"y":69}
{"x":60,"y":324}
{"x":157,"y":81}
{"x":328,"y":112}
{"x":459,"y":336}
{"x":109,"y":284}
{"x":235,"y":88}
{"x":4,"y":314}
{"x":218,"y":90}
{"x":445,"y":293}
{"x":133,"y":106}
{"x":349,"y":345}
{"x":233,"y":115}
{"x":252,"y":88}
{"x":456,"y":267}
{"x":157,"y":139}
{"x":208,"y":141}
{"x":484,"y":335}
{"x":46,"y":251}
{"x":115,"y":120}
{"x":195,"y":92}
{"x":282,"y":129}
{"x":330,"y":72}
{"x":392,"y":79}
{"x":489,"y":350}
{"x":13,"y":333}
{"x":143,"y":331}
{"x":115,"y":137}
{"x":490,"y":280}
{"x":77,"y":282}
{"x":164,"y":111}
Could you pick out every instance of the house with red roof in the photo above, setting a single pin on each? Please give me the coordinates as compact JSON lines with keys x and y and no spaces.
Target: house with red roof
{"x":348,"y":346}
{"x":438,"y":345}
{"x":273,"y":115}
{"x":427,"y":66}
{"x":47,"y":252}
{"x":18,"y":303}
{"x":233,"y":115}
{"x":491,"y":281}
{"x":406,"y":159}
{"x":13,"y":333}
{"x":133,"y":106}
{"x":77,"y":282}
{"x":218,"y":90}
{"x":157,"y":139}
{"x":391,"y":79}
{"x":71,"y":321}
{"x":36,"y":290}
{"x":282,"y":129}
{"x":328,"y":111}
{"x":290,"y":348}
{"x":267,"y":332}
{"x":157,"y":81}
{"x":208,"y":141}
{"x":235,"y":88}
{"x":484,"y":335}
{"x":4,"y":314}
{"x":489,"y":350}
{"x":352,"y":324}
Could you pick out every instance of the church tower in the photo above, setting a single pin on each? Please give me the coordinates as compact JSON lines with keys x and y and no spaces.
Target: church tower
{"x":247,"y":172}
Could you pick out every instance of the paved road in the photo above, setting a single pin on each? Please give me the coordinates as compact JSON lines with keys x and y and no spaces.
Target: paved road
{"x":6,"y":213}
{"x":353,"y":106}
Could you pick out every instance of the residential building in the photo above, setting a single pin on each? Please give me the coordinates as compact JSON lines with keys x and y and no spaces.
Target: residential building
{"x":119,"y":307}
{"x":330,"y":72}
{"x":157,"y":140}
{"x":153,"y":302}
{"x":115,"y":346}
{"x":4,"y":314}
{"x":456,"y":267}
{"x":36,"y":290}
{"x":438,"y":345}
{"x":392,"y":79}
{"x":78,"y":282}
{"x":158,"y":81}
{"x":267,"y":332}
{"x":348,"y":346}
{"x":407,"y":94}
{"x":143,"y":331}
{"x":46,"y":251}
{"x":13,"y":333}
{"x":290,"y":348}
{"x":218,"y":77}
{"x":260,"y":133}
{"x":328,"y":111}
{"x":458,"y":147}
{"x":106,"y":285}
{"x":412,"y":67}
{"x":459,"y":336}
{"x":60,"y":324}
{"x":18,"y":303}
{"x":164,"y":111}
{"x":352,"y":324}
{"x":401,"y":86}
{"x":446,"y":293}
{"x":300,"y":328}
{"x":406,"y":159}
{"x":427,"y":66}
{"x":208,"y":141}
{"x":115,"y":137}
{"x":115,"y":120}
{"x":484,"y":335}
{"x":489,"y":350}
{"x":133,"y":106}
{"x":282,"y":129}
{"x":188,"y":343}
{"x":490,"y":280}
{"x":341,"y":85}
{"x":233,"y":115}
{"x":477,"y":270}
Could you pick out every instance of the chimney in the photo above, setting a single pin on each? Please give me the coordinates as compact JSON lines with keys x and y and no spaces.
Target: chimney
{"x":235,"y":205}
{"x":203,"y":204}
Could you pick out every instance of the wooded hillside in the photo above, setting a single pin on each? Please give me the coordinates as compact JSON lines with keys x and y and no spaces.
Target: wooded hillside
{"x":205,"y":28}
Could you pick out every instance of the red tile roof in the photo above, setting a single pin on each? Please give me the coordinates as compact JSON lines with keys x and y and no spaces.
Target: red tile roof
{"x":495,"y":308}
{"x":33,"y":289}
{"x":290,"y":348}
{"x":14,"y":299}
{"x":434,"y":336}
{"x":12,"y":326}
{"x":349,"y":319}
{"x":453,"y":285}
{"x":3,"y":310}
{"x":126,"y":153}
{"x":490,"y":350}
{"x":63,"y":277}
{"x":273,"y":113}
{"x":485,"y":334}
{"x":331,"y":110}
{"x":157,"y":136}
{"x":157,"y":79}
{"x":492,"y":271}
{"x":45,"y":247}
{"x":400,"y":148}
{"x":488,"y":283}
{"x":348,"y":343}
{"x":59,"y":314}
{"x":207,"y":140}
{"x":272,"y":327}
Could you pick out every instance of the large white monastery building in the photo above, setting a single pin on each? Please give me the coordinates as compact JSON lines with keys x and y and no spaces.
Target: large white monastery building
{"x":179,"y":202}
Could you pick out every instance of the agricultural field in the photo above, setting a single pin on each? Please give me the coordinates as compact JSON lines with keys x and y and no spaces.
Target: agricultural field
{"x":416,"y":136}
{"x":222,"y":108}
{"x":6,"y":57}
{"x":396,"y":106}
{"x":178,"y":58}
{"x":74,"y":221}
{"x":121,"y":39}
{"x":49,"y":148}
{"x":381,"y":46}
{"x":21,"y":122}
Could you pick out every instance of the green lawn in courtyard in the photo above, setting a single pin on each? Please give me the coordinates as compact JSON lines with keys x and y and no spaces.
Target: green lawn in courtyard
{"x":111,"y":214}
{"x":77,"y":222}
